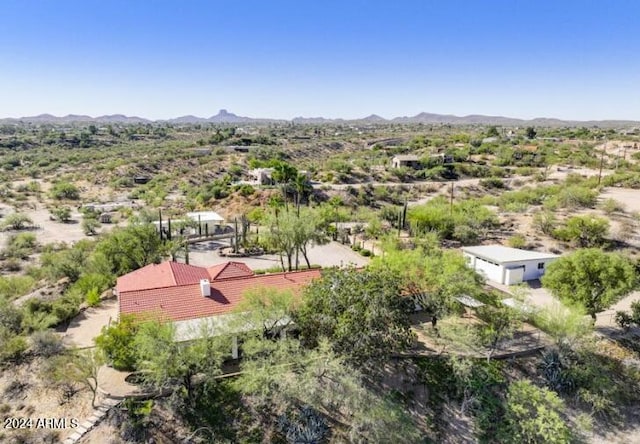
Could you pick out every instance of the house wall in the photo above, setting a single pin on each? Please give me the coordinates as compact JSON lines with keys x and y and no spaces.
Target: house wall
{"x":532,"y":271}
{"x":513,"y":276}
{"x":511,"y":273}
{"x":493,"y":272}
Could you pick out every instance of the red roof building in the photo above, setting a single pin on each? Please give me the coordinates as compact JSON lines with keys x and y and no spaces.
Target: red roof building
{"x":178,"y":292}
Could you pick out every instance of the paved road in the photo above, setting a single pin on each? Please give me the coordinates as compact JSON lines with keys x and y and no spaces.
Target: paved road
{"x":333,"y":254}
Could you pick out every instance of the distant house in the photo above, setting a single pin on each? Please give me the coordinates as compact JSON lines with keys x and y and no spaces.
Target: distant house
{"x":108,"y":207}
{"x":106,"y":218}
{"x":239,"y":148}
{"x":525,"y":151}
{"x":141,"y":180}
{"x":505,"y":265}
{"x":490,"y":139}
{"x":405,"y":160}
{"x":192,"y":297}
{"x":201,"y":152}
{"x":261,"y":176}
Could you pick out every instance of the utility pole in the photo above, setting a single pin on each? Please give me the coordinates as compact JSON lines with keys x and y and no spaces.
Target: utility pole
{"x":604,"y":149}
{"x":451,"y":201}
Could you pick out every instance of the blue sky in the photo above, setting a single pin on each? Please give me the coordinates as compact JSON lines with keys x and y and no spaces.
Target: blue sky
{"x":275,"y":58}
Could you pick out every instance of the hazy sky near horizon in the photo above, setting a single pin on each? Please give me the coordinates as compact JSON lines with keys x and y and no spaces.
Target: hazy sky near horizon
{"x":570,"y":59}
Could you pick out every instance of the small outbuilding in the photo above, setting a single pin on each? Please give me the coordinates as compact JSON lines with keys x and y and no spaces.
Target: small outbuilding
{"x":506,"y":265}
{"x":405,"y":160}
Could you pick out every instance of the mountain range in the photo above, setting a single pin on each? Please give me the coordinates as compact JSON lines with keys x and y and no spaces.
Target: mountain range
{"x":224,"y":116}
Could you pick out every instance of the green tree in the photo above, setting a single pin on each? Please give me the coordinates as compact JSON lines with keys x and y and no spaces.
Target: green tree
{"x":307,"y":231}
{"x":130,"y":248}
{"x":283,"y":376}
{"x":530,"y":132}
{"x":291,"y":235}
{"x":433,"y":277}
{"x":591,"y":278}
{"x":167,"y":363}
{"x":501,"y":324}
{"x":280,"y":237}
{"x":70,"y":263}
{"x":79,"y":367}
{"x":116,"y":341}
{"x":492,"y":131}
{"x":265,"y":312}
{"x":361,"y":313}
{"x":302,"y":188}
{"x":284,"y":174}
{"x":533,"y":415}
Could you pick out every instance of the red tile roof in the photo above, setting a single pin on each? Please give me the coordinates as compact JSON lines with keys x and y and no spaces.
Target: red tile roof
{"x":166,"y":274}
{"x":229,"y":270}
{"x":182,"y":302}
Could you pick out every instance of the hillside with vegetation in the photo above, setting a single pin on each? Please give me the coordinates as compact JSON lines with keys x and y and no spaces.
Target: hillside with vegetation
{"x":349,"y":359}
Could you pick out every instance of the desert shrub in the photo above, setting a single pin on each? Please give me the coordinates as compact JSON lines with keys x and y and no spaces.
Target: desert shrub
{"x":303,"y":425}
{"x":627,"y":319}
{"x":13,"y":346}
{"x":585,"y":231}
{"x":492,"y":182}
{"x":62,"y":214}
{"x":16,"y":221}
{"x":116,"y":341}
{"x":575,"y":196}
{"x":14,"y":286}
{"x":46,"y":343}
{"x":439,"y":216}
{"x":93,"y":297}
{"x":533,"y":415}
{"x":246,"y":190}
{"x":10,"y":317}
{"x":525,"y":171}
{"x":627,"y":180}
{"x":20,"y":246}
{"x":65,"y":190}
{"x":525,"y":196}
{"x":90,"y":226}
{"x":517,"y":241}
{"x":88,"y":282}
{"x":40,"y":315}
{"x":545,"y":222}
{"x":555,"y":368}
{"x":611,"y":206}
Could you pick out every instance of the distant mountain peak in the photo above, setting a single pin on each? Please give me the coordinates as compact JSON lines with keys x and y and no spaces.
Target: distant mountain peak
{"x":374,"y":118}
{"x":224,"y":116}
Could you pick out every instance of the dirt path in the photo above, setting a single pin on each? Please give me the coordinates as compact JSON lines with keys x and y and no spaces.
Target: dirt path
{"x":87,"y":325}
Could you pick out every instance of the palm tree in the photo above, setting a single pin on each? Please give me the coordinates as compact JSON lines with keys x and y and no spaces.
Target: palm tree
{"x":302,"y":188}
{"x":284,"y":174}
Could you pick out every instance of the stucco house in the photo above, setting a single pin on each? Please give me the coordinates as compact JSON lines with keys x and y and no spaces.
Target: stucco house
{"x":261,"y":176}
{"x":405,"y":160}
{"x":193,"y":297}
{"x":506,"y":265}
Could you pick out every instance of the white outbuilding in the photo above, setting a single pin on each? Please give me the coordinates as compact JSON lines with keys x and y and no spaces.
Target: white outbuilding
{"x":506,"y":265}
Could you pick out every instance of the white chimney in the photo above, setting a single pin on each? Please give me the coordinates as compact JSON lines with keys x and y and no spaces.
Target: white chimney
{"x":205,"y":287}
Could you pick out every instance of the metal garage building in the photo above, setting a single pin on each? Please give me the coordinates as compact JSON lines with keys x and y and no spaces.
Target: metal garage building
{"x":506,"y":265}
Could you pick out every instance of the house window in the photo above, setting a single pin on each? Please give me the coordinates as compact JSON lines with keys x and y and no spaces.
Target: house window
{"x":540,"y":265}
